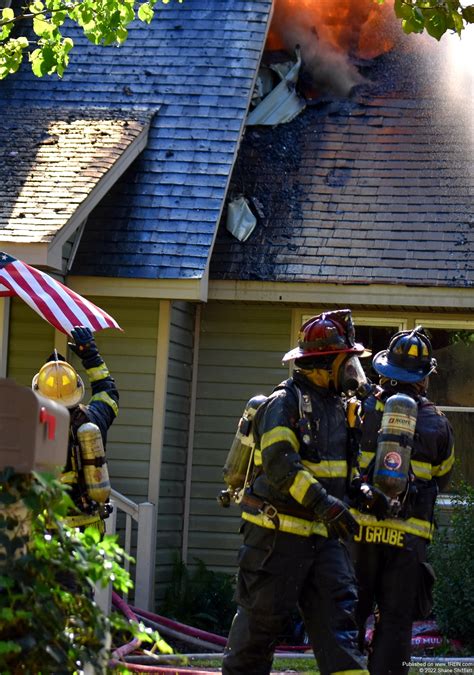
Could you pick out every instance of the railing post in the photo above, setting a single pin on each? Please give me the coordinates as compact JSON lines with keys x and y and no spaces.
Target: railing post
{"x":146,"y":548}
{"x":103,"y":596}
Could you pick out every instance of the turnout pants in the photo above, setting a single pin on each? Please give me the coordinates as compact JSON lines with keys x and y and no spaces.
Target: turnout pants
{"x":389,"y":577}
{"x":277,"y":572}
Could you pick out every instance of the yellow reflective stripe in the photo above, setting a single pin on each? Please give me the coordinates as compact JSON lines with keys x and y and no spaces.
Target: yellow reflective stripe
{"x":422,"y":528}
{"x":327,"y":468}
{"x":68,"y":477}
{"x":98,"y":373}
{"x":105,"y":398}
{"x":421,"y":469}
{"x":80,"y":521}
{"x":365,"y":458}
{"x":257,"y":457}
{"x":279,"y":435}
{"x":445,"y":466}
{"x":380,"y":405}
{"x":300,"y":486}
{"x":289,"y":524}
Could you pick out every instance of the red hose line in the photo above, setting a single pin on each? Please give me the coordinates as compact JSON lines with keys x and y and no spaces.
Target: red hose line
{"x":120,"y":652}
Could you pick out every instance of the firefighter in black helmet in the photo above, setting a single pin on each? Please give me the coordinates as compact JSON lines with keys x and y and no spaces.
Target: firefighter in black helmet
{"x":60,"y":382}
{"x":294,"y":518}
{"x":390,"y":550}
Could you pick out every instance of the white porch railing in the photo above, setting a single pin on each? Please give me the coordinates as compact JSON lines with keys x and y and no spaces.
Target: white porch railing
{"x":143,"y":517}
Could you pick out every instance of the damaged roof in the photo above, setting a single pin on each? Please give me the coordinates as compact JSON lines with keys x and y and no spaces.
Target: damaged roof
{"x":53,"y":160}
{"x":196,"y":62}
{"x":373,"y":189}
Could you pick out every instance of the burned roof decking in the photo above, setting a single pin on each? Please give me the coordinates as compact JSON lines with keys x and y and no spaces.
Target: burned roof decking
{"x":196,"y":61}
{"x":378,"y":189}
{"x":51,"y":159}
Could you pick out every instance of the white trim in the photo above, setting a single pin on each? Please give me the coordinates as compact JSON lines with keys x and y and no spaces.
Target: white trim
{"x":5,"y":304}
{"x":348,"y":295}
{"x":75,"y":245}
{"x":191,"y":426}
{"x":457,"y":324}
{"x":159,"y":401}
{"x":166,"y":289}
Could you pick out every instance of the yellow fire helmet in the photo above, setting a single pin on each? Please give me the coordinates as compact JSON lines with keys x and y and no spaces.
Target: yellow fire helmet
{"x":58,"y":381}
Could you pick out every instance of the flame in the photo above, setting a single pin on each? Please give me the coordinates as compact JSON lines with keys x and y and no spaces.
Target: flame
{"x":330,"y":33}
{"x":360,"y":28}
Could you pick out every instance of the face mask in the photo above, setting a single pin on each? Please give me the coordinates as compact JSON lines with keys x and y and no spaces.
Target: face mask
{"x":348,"y":374}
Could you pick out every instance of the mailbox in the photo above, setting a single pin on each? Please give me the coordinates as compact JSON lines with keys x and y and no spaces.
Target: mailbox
{"x":34,"y":430}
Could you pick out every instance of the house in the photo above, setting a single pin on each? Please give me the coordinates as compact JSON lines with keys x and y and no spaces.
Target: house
{"x":363,"y":200}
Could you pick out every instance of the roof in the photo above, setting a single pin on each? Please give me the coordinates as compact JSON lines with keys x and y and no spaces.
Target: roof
{"x":53,"y":164}
{"x":197,"y":62}
{"x":373,"y":189}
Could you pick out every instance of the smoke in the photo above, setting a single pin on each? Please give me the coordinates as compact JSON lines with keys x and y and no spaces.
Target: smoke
{"x":331,"y":35}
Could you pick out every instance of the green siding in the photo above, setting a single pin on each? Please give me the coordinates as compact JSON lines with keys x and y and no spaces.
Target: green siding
{"x":31,"y":341}
{"x":175,"y":444}
{"x":241,"y":347}
{"x":131,"y":357}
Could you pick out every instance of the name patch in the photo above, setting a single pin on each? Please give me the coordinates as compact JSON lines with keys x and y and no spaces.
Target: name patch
{"x":376,"y":534}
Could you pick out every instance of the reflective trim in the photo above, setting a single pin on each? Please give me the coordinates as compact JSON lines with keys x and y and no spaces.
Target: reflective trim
{"x":365,"y":459}
{"x":380,"y":405}
{"x":105,"y":398}
{"x":327,"y":468}
{"x":445,"y":466}
{"x":257,"y":457}
{"x":289,"y":524}
{"x":421,"y":528}
{"x":300,"y":486}
{"x":98,"y":373}
{"x":82,"y":520}
{"x":421,"y":469}
{"x":279,"y":435}
{"x":68,"y":478}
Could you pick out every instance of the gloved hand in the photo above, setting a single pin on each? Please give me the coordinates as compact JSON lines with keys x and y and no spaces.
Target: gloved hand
{"x":338,"y":519}
{"x":369,"y":499}
{"x":84,"y":344}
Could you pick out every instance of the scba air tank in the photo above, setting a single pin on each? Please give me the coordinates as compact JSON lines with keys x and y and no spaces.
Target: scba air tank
{"x":94,"y":465}
{"x":238,"y":458}
{"x":394,"y":445}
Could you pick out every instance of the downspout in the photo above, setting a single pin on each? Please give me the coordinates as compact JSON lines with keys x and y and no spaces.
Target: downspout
{"x":159,"y":402}
{"x":4,"y":335}
{"x":190,"y":449}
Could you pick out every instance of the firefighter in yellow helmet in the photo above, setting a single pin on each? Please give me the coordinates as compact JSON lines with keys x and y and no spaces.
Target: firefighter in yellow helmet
{"x":86,"y":469}
{"x":390,"y":550}
{"x":295,"y":520}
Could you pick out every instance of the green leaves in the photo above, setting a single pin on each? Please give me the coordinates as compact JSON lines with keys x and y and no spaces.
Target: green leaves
{"x":104,"y":22}
{"x":435,"y":16}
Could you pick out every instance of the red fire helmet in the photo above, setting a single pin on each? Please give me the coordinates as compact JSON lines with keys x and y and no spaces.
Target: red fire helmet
{"x":328,"y":333}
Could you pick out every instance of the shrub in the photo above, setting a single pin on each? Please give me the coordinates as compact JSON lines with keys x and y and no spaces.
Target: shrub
{"x":200,"y":597}
{"x":48,"y":616}
{"x":452,"y":556}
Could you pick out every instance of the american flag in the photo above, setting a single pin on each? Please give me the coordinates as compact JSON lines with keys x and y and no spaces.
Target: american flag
{"x":56,"y":303}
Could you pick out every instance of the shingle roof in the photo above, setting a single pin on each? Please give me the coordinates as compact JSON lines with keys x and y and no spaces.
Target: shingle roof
{"x":197,"y":60}
{"x":50,"y":161}
{"x":378,"y":189}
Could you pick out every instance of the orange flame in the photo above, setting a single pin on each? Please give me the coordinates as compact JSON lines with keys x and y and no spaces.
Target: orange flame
{"x":359,"y":28}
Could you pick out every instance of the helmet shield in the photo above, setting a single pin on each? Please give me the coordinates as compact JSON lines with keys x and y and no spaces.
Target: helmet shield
{"x":408,"y":357}
{"x":327,"y":333}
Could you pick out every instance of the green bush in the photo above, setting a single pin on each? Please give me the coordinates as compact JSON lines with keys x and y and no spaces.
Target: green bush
{"x":48,"y":616}
{"x":452,"y":556}
{"x":200,"y":597}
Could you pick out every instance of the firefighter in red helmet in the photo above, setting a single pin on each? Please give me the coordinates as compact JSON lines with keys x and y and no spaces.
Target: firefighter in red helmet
{"x":390,"y":550}
{"x":294,"y":518}
{"x":86,"y":469}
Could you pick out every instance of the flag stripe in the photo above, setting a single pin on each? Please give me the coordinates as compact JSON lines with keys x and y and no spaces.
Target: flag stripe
{"x":28,"y":289}
{"x":51,"y":299}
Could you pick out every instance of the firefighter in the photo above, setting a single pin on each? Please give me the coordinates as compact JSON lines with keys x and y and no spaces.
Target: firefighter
{"x":390,"y":550}
{"x":294,"y":519}
{"x":59,"y":381}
